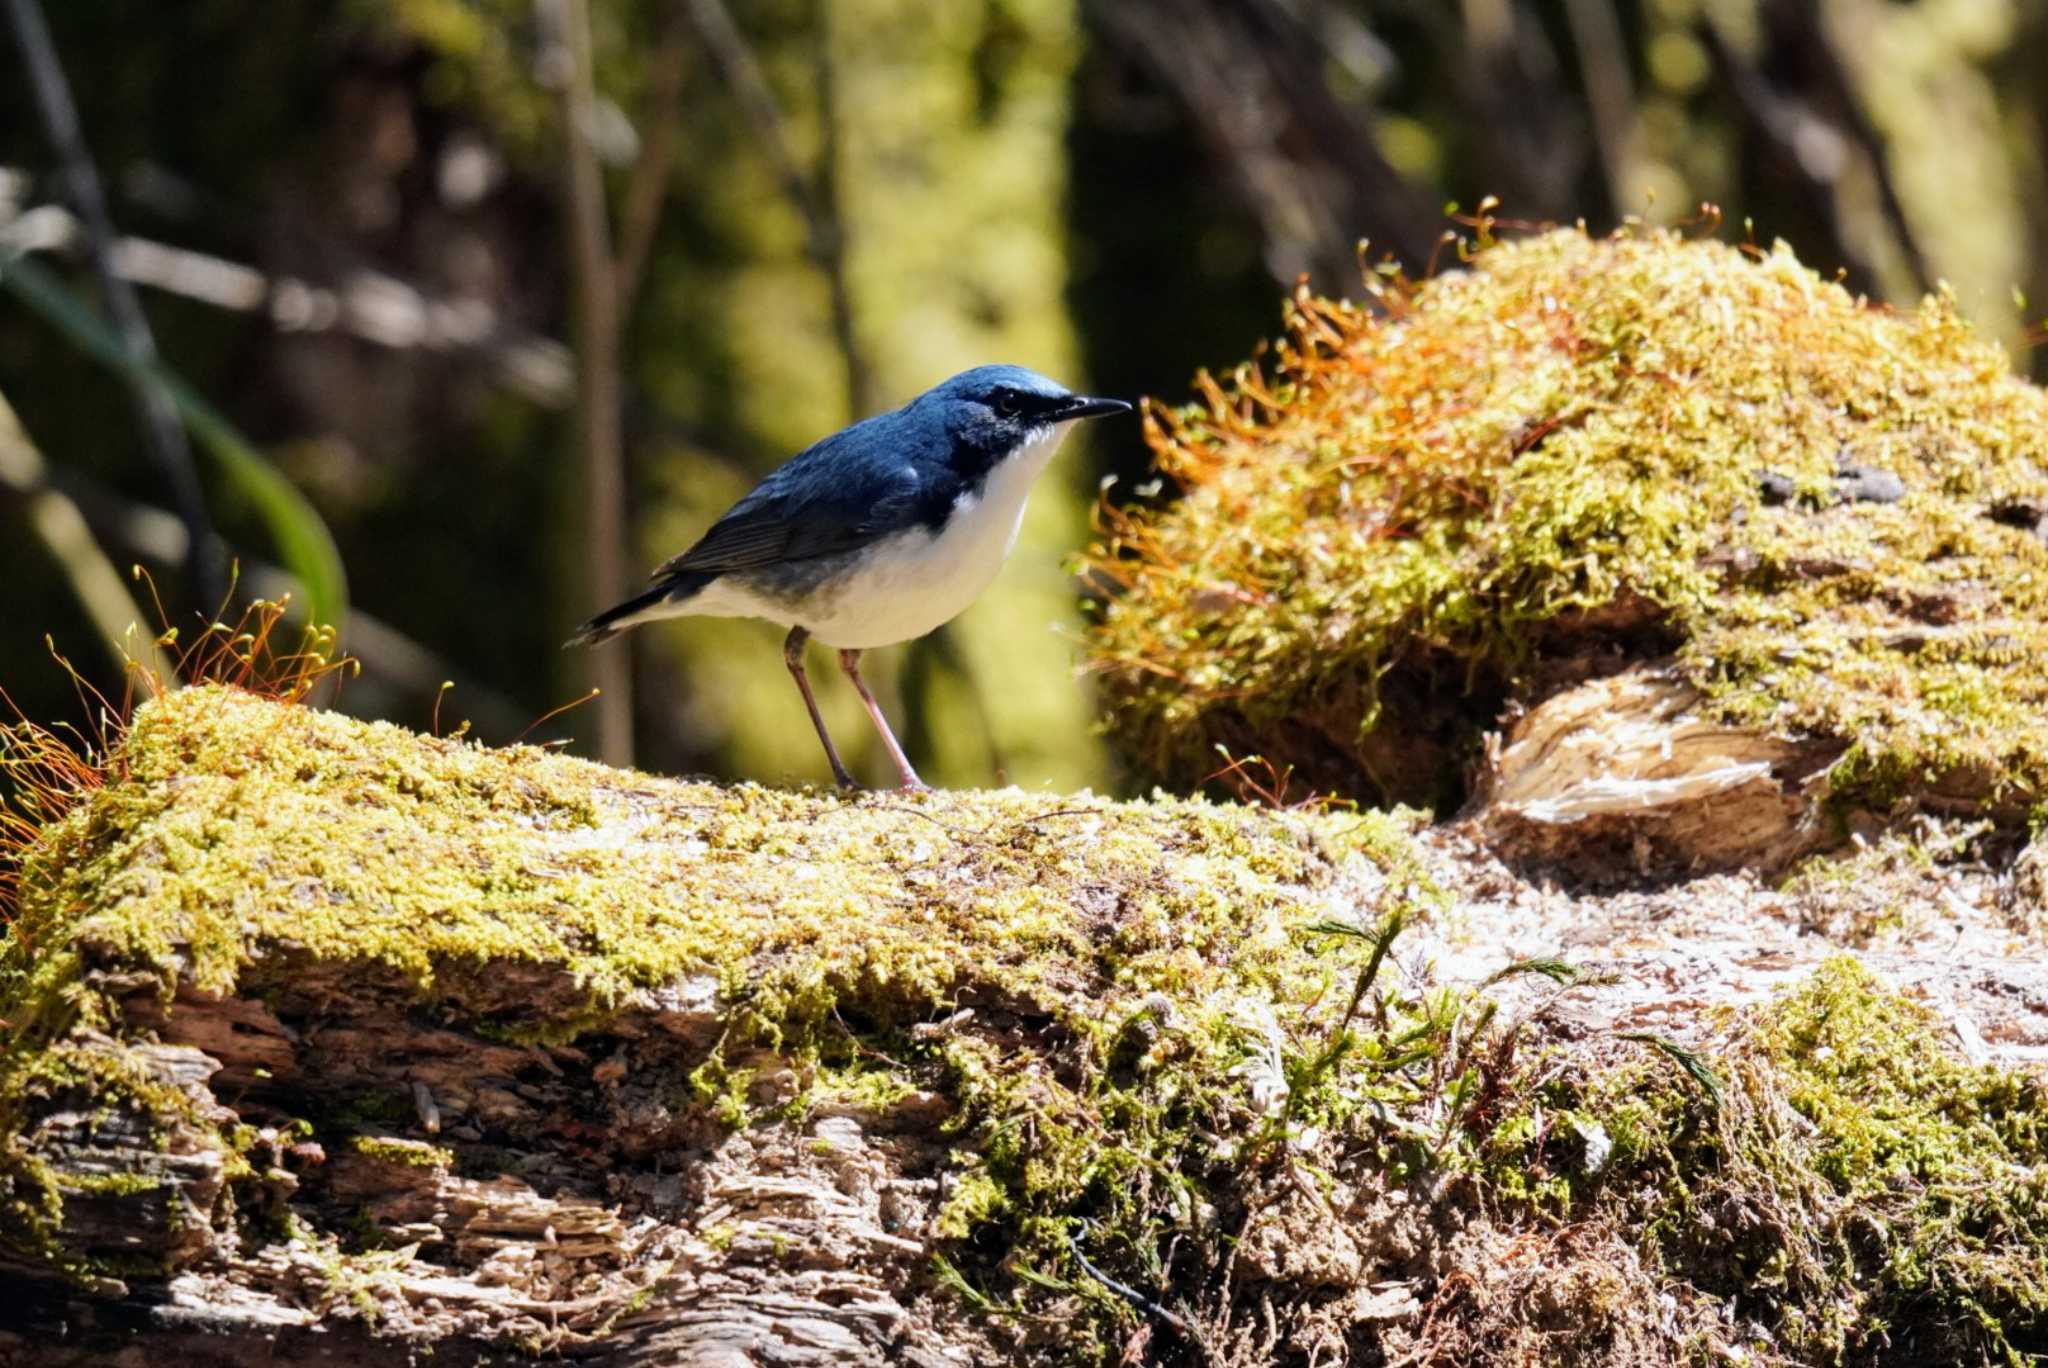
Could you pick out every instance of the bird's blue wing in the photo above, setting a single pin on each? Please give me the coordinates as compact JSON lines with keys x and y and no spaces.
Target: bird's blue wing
{"x":836,"y":497}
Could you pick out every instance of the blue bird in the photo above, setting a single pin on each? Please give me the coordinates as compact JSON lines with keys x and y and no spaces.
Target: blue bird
{"x":877,"y":534}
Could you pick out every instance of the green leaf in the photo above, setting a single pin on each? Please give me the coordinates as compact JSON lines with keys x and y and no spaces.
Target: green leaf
{"x":1695,"y":1067}
{"x":953,"y":1279}
{"x":1556,"y":970}
{"x":303,"y":543}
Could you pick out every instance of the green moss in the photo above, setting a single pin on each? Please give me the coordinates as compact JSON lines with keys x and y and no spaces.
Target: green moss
{"x":975,"y":1200}
{"x":410,"y":1153}
{"x":867,"y":1086}
{"x":1858,"y":1180}
{"x":1879,"y":1077}
{"x":358,"y":1282}
{"x":1395,"y":525}
{"x":723,"y":1090}
{"x":110,"y":1184}
{"x":242,"y":825}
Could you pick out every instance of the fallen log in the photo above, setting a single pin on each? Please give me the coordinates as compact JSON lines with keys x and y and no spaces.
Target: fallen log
{"x":327,"y":1042}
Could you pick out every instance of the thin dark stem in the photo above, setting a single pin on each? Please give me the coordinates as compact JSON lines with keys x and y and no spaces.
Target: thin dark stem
{"x":1138,"y":1299}
{"x":816,"y":202}
{"x":163,"y":434}
{"x":640,"y":218}
{"x":828,"y":228}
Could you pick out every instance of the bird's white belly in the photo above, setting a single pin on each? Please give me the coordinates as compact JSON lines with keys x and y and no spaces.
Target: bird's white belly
{"x":915,"y":581}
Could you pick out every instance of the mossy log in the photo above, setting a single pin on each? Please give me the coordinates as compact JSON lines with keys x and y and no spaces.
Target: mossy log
{"x":330,"y":1042}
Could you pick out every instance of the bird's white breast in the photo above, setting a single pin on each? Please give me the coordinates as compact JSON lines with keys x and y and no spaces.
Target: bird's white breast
{"x":910,"y":583}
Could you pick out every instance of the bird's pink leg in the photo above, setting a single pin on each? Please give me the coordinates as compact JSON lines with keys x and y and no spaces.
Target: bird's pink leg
{"x":793,"y":656}
{"x":849,"y":661}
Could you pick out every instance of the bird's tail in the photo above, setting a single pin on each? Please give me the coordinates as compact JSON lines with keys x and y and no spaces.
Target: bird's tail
{"x":644,"y":607}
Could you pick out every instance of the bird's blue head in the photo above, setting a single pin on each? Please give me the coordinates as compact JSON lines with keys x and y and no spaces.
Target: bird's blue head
{"x":994,"y":410}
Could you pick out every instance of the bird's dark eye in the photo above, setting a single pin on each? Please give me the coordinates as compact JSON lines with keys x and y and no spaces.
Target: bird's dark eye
{"x":1007,"y":404}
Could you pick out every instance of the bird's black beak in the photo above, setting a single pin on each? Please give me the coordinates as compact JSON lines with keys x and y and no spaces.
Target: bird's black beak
{"x":1082,"y":407}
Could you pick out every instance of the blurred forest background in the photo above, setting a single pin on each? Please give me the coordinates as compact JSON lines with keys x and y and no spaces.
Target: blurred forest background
{"x":517,"y":294}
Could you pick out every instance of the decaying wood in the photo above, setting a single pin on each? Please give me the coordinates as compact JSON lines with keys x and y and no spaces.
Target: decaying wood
{"x":653,"y":1237}
{"x":1627,"y":776}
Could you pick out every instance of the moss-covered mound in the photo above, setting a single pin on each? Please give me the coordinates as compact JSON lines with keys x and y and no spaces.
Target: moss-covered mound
{"x":1581,"y":452}
{"x":335,"y":1027}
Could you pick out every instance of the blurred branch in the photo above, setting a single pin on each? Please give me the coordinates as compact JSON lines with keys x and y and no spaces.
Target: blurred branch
{"x":1251,"y":78}
{"x":1524,"y":122}
{"x":1798,"y":97}
{"x":1490,"y":24}
{"x":817,"y":203}
{"x":1610,"y":97}
{"x":162,"y":431}
{"x":606,"y":531}
{"x":648,"y":184}
{"x":301,"y":535}
{"x":1798,"y":28}
{"x":369,"y":305}
{"x":828,"y":233}
{"x":63,"y":531}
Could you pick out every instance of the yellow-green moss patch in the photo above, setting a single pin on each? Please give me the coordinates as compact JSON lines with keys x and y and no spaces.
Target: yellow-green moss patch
{"x":1860,"y":1192}
{"x":1831,"y":512}
{"x":241,"y":829}
{"x":409,"y":1153}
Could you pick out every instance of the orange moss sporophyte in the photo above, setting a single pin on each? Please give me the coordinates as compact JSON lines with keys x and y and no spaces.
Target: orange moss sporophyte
{"x":46,"y":771}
